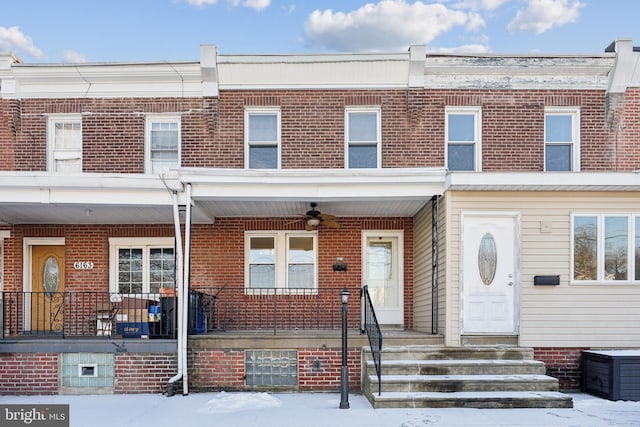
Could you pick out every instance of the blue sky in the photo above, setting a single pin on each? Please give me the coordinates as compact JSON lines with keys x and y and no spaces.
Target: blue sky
{"x":150,"y":30}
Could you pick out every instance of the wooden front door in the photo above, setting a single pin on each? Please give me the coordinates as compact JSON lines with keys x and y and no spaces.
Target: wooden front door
{"x":47,"y":285}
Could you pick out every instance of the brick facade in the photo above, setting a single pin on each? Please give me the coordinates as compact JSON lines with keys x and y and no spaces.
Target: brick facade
{"x":28,"y":373}
{"x":562,"y":363}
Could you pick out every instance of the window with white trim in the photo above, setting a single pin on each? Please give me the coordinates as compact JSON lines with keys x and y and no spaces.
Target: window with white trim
{"x":363,"y":137}
{"x":262,"y":138}
{"x":561,"y":139}
{"x":141,"y":265}
{"x":64,"y":143}
{"x":279,"y":259}
{"x":463,"y":139}
{"x":162,"y":143}
{"x":605,"y":248}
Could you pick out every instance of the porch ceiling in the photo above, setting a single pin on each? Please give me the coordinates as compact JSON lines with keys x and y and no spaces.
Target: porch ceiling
{"x":40,"y":198}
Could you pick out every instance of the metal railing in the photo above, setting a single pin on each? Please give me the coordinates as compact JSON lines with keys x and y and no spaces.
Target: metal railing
{"x":371,"y":326}
{"x":87,"y":314}
{"x":235,"y":308}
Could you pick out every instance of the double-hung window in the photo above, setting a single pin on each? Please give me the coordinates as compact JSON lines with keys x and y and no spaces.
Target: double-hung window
{"x":605,"y":248}
{"x":141,"y":265}
{"x":262,"y":138}
{"x":280,"y":260}
{"x":463,"y":139}
{"x":363,"y":138}
{"x":65,"y":143}
{"x":162,"y":143}
{"x":562,"y":139}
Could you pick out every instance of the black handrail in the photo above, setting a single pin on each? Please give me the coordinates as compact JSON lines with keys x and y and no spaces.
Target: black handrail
{"x":371,"y":326}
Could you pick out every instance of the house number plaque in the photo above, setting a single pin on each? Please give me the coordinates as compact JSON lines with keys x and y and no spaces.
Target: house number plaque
{"x":83,"y":265}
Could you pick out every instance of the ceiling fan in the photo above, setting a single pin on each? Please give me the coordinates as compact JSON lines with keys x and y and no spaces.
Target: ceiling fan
{"x":315,"y":218}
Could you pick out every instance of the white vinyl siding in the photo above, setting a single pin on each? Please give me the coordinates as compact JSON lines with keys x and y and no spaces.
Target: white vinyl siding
{"x":571,"y":314}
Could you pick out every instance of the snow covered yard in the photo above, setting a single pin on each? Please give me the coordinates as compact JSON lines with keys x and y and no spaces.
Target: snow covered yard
{"x":314,"y":409}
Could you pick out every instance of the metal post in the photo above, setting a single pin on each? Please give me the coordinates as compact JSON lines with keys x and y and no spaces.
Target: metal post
{"x":344,"y":372}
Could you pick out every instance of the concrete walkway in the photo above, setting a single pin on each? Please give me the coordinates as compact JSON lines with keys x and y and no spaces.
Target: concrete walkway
{"x":314,"y":409}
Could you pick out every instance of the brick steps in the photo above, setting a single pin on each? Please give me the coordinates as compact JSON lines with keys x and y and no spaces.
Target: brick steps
{"x":468,"y":377}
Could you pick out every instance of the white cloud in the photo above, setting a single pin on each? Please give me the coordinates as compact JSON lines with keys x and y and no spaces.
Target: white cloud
{"x":12,"y":39}
{"x":253,"y":4}
{"x":469,"y":48}
{"x":541,"y":15}
{"x":475,"y":22}
{"x":201,"y":2}
{"x":387,"y":25}
{"x":74,"y":57}
{"x":480,"y":4}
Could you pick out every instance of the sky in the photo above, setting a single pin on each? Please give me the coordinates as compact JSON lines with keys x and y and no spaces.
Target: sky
{"x":75,"y":31}
{"x":314,"y":410}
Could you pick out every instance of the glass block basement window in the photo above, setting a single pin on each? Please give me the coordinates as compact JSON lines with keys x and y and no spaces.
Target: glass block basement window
{"x":271,"y":368}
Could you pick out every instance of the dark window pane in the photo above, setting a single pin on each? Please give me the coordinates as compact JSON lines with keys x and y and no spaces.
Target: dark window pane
{"x":558,"y":157}
{"x":461,"y":157}
{"x":615,"y":248}
{"x":585,"y":255}
{"x":363,"y":156}
{"x":263,"y":157}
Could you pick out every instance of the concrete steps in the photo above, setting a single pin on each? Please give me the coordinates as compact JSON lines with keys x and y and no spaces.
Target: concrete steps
{"x":461,"y":377}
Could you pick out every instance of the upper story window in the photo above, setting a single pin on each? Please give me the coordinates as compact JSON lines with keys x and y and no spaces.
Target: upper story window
{"x":162,"y":144}
{"x":604,"y":248}
{"x":463,"y":139}
{"x":141,"y":265}
{"x":64,"y":143}
{"x":562,"y":139}
{"x":262,"y":138}
{"x":276,"y":260}
{"x":363,"y":138}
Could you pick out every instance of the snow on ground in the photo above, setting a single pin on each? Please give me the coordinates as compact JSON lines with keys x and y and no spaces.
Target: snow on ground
{"x":315,"y":409}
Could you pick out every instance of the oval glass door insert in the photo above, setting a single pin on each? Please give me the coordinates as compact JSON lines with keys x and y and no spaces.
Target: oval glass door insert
{"x":51,"y":276}
{"x":487,"y":259}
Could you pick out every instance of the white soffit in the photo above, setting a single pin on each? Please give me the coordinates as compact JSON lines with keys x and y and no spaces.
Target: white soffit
{"x":543,"y":181}
{"x":518,"y":71}
{"x":314,"y":71}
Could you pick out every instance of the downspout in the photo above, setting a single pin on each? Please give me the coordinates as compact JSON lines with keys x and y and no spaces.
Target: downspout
{"x":181,"y":297}
{"x":186,"y":286}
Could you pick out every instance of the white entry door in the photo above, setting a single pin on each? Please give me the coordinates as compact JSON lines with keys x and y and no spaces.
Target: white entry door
{"x":489,"y":273}
{"x":383,"y":273}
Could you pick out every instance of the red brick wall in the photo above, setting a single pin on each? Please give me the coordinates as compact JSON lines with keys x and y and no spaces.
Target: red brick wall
{"x":143,"y":372}
{"x":412,"y":128}
{"x":218,"y":253}
{"x":224,"y":369}
{"x":216,"y":369}
{"x":28,"y":373}
{"x":563,"y":363}
{"x":326,"y":377}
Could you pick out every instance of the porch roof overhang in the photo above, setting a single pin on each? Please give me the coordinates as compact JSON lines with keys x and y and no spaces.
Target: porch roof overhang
{"x":543,"y":181}
{"x":45,"y":198}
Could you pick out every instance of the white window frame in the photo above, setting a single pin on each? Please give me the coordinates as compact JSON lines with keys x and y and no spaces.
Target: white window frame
{"x":574,"y":112}
{"x":378,"y":141}
{"x":149,"y":120}
{"x":600,"y":249}
{"x":144,"y":243}
{"x":52,"y":153}
{"x":281,"y":239}
{"x":248,"y":111}
{"x":477,"y":133}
